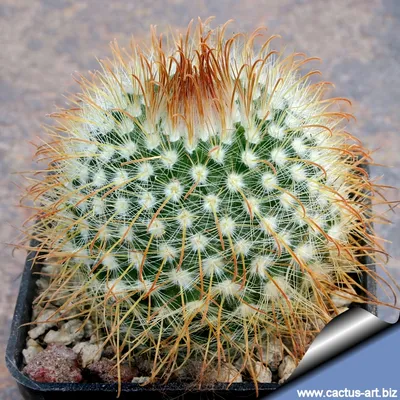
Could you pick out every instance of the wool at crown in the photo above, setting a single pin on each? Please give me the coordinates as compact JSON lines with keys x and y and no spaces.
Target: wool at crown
{"x":203,"y":199}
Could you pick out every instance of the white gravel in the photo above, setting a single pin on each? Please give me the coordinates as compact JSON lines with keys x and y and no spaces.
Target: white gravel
{"x":70,"y":332}
{"x":44,"y":324}
{"x":32,"y":348}
{"x":263,"y":373}
{"x":87,"y":352}
{"x":343,"y":298}
{"x":286,"y":369}
{"x":228,"y":373}
{"x":272,"y":353}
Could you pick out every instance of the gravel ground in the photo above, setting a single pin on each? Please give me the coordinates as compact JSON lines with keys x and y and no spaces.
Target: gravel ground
{"x":44,"y":41}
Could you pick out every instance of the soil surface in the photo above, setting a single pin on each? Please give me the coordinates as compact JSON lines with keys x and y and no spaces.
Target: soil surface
{"x":44,"y":41}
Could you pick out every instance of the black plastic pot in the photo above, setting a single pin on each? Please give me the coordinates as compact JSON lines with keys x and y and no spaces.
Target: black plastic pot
{"x":32,"y":390}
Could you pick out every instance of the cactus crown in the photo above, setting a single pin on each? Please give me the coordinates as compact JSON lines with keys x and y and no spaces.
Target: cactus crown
{"x":203,"y":198}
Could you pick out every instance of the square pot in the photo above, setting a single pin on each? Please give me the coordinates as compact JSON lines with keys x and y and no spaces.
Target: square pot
{"x":32,"y":390}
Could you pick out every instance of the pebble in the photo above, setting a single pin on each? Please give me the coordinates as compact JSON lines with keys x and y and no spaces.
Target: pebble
{"x":286,"y":368}
{"x":140,"y":379}
{"x":87,"y":352}
{"x":108,"y":352}
{"x":32,"y":348}
{"x":228,"y":373}
{"x":93,"y":339}
{"x":89,"y":329}
{"x":43,"y":326}
{"x":67,"y":310}
{"x":343,"y":298}
{"x":272,"y":353}
{"x":42,"y":284}
{"x":263,"y":373}
{"x":50,"y":269}
{"x":36,"y":310}
{"x":54,"y":364}
{"x":69,"y":332}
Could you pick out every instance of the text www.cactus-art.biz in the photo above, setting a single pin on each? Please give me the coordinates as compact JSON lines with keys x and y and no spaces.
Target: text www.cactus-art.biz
{"x":349,"y":393}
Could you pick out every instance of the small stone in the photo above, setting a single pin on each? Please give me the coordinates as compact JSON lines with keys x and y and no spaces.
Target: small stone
{"x":263,"y":373}
{"x":69,"y":332}
{"x":32,"y":349}
{"x":228,"y":373}
{"x":50,"y":269}
{"x":272,"y":353}
{"x":342,"y":298}
{"x":67,"y":310}
{"x":36,"y":310}
{"x":89,"y":329}
{"x":107,"y":371}
{"x":45,"y":321}
{"x":145,"y":365}
{"x":238,"y":364}
{"x":54,"y":364}
{"x":286,"y":368}
{"x":87,"y":352}
{"x":140,"y":379}
{"x":42,"y":284}
{"x":93,"y":339}
{"x":108,"y":352}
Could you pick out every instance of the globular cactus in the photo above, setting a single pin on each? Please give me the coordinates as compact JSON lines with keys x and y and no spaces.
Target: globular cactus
{"x":202,"y":199}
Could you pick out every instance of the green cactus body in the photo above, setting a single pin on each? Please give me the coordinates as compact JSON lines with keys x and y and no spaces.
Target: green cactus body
{"x":203,"y":200}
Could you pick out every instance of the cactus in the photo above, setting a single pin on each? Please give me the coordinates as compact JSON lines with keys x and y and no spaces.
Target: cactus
{"x":203,"y":200}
